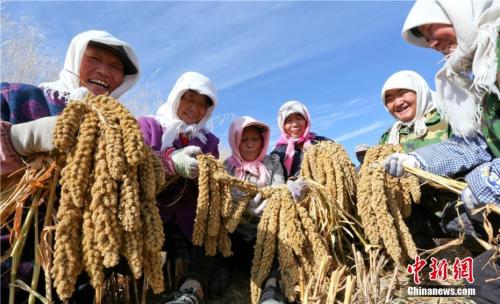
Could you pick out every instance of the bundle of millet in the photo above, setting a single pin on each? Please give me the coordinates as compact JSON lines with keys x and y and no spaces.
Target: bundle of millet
{"x":383,"y":201}
{"x":107,"y":207}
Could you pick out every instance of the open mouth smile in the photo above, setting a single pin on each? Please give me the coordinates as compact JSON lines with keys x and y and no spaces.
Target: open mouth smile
{"x":99,"y":82}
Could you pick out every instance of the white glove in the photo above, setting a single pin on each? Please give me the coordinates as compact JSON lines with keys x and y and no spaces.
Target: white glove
{"x":185,"y":161}
{"x":257,"y":210}
{"x":78,"y":94}
{"x":34,"y":136}
{"x":394,"y":163}
{"x":469,"y":199}
{"x":255,"y":201}
{"x":297,"y":188}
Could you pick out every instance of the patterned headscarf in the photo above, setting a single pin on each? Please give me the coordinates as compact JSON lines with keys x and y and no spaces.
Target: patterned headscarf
{"x":291,"y":107}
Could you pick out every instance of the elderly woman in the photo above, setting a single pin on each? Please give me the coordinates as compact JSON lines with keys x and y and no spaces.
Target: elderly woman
{"x":96,"y":61}
{"x":467,"y":87}
{"x":410,"y":101}
{"x":295,"y":123}
{"x":178,"y":134}
{"x":467,"y":34}
{"x":249,"y":139}
{"x":408,"y":98}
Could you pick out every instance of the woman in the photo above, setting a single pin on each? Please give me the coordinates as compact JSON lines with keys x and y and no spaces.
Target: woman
{"x":468,"y":35}
{"x":249,"y":139}
{"x":410,"y":101}
{"x":295,"y":123}
{"x":95,"y":61}
{"x":408,"y":98}
{"x":467,"y":86}
{"x":178,"y":134}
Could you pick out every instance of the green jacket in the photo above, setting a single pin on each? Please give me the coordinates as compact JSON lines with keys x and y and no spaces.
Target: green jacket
{"x":490,"y":125}
{"x":437,"y":131}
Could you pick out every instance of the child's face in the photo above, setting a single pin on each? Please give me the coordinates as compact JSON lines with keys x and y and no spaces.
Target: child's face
{"x":192,"y":107}
{"x":101,"y":70}
{"x":441,"y":37}
{"x":295,"y":125}
{"x":401,"y":103}
{"x":251,"y":144}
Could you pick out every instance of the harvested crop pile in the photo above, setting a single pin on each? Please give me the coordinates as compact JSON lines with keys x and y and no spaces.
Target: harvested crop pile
{"x":107,"y":207}
{"x":383,"y":201}
{"x":285,"y":229}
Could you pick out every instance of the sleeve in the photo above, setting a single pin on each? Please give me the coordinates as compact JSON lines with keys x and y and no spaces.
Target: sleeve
{"x":151,"y":131}
{"x":22,"y":103}
{"x":9,"y":159}
{"x":278,"y":178}
{"x":484,"y":182}
{"x":453,"y":156}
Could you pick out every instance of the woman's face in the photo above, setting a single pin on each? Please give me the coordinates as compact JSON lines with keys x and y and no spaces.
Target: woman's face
{"x":251,"y":143}
{"x":101,"y":70}
{"x":192,"y":107}
{"x":441,"y":37}
{"x":295,"y":125}
{"x":401,"y":103}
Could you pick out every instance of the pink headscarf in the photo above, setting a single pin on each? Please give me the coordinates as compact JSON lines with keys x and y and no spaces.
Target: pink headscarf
{"x":286,"y":109}
{"x":241,"y":166}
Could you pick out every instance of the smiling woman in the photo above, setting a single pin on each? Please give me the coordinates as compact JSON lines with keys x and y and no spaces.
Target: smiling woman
{"x":410,"y":101}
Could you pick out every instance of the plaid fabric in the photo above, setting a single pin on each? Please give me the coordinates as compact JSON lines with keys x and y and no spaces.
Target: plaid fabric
{"x":453,"y":156}
{"x":484,"y":182}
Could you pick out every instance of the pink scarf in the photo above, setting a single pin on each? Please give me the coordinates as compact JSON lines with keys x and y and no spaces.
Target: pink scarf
{"x":286,"y":109}
{"x":256,"y":167}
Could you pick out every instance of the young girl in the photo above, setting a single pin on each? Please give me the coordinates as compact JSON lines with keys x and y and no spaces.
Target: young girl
{"x":178,"y":134}
{"x":249,"y":139}
{"x":294,"y":123}
{"x":95,"y":61}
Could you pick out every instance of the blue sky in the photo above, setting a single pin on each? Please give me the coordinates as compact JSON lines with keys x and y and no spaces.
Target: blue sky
{"x":334,"y":56}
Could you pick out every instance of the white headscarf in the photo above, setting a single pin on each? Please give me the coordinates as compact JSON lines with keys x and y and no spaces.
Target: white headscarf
{"x":476,"y":23}
{"x":167,"y":113}
{"x":68,"y":77}
{"x":425,"y":102}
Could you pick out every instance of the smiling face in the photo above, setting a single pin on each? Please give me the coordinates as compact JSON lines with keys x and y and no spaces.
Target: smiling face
{"x":441,"y":37}
{"x":401,"y":103}
{"x":101,"y":70}
{"x":192,"y":107}
{"x":295,"y":125}
{"x":251,"y":143}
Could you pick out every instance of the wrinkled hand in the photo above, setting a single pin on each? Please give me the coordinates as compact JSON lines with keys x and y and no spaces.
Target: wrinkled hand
{"x":185,"y":161}
{"x":469,"y":199}
{"x":258,"y":209}
{"x":394,"y":163}
{"x":298,"y":188}
{"x":78,"y":93}
{"x":34,"y":136}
